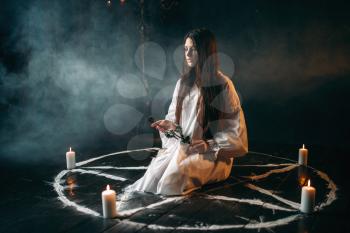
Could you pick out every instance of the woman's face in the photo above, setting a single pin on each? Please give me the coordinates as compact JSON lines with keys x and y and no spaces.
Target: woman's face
{"x":191,"y":54}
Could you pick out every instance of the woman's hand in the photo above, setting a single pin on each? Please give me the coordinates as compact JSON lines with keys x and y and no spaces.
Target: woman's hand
{"x":164,"y":125}
{"x":198,"y":146}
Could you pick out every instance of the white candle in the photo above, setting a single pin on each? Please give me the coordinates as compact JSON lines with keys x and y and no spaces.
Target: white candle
{"x":307,"y":198}
{"x":303,"y":154}
{"x":109,"y":203}
{"x":70,"y":157}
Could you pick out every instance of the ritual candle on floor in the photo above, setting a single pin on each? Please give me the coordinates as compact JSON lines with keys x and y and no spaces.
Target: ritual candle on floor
{"x":303,"y":154}
{"x":109,"y":203}
{"x":307,"y":199}
{"x":70,"y":157}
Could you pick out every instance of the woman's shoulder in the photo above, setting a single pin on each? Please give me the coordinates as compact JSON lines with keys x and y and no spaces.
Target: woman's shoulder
{"x":225,"y":80}
{"x":229,"y":89}
{"x":177,"y":85}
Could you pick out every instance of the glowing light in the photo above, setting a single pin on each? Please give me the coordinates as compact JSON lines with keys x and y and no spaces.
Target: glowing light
{"x":302,"y":180}
{"x":71,"y":184}
{"x":109,"y":3}
{"x":303,"y":146}
{"x":308,"y":183}
{"x":70,"y":149}
{"x":108,"y":188}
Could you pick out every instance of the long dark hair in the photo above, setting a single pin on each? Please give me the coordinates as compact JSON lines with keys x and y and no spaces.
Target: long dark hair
{"x":204,"y":74}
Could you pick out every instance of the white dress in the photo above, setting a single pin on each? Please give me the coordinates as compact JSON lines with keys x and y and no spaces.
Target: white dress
{"x":175,"y":172}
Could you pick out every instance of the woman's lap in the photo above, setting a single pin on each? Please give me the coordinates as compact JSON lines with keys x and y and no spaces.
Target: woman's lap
{"x":173,"y":172}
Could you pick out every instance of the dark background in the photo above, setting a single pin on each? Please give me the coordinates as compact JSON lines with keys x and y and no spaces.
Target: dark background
{"x":65,"y":67}
{"x":60,"y":60}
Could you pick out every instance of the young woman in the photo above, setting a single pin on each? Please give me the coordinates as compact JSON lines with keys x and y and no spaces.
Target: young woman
{"x":206,"y":108}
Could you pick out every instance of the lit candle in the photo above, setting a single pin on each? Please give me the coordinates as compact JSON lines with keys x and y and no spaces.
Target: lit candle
{"x":109,"y":203}
{"x":70,"y":157}
{"x":303,"y":153}
{"x":307,"y":198}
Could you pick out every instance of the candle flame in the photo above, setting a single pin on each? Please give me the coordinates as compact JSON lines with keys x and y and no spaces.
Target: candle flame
{"x":308,"y":183}
{"x":303,"y":146}
{"x":70,"y":149}
{"x":108,"y":188}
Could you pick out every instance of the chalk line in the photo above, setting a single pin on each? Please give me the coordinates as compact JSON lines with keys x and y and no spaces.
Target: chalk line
{"x":332,"y":195}
{"x":251,"y":225}
{"x":267,"y":192}
{"x":59,"y":189}
{"x":250,"y":201}
{"x":98,"y":173}
{"x":274,"y":171}
{"x":115,"y":153}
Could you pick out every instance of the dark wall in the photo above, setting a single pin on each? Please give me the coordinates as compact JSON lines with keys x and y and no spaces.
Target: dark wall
{"x":60,"y":62}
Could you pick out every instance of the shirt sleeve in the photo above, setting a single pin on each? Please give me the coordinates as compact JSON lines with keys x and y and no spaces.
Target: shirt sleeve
{"x":171,"y":117}
{"x":231,"y":131}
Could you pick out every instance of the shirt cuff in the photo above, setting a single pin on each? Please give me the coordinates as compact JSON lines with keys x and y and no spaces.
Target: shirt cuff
{"x":213,"y":147}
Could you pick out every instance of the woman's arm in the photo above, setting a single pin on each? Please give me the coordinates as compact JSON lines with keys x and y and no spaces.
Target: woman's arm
{"x":170,"y":117}
{"x":230,"y":139}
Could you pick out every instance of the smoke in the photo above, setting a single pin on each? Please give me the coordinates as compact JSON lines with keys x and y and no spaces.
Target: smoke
{"x":76,"y":53}
{"x":80,"y":70}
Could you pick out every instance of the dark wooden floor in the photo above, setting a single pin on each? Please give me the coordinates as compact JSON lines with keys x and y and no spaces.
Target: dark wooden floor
{"x":261,"y":195}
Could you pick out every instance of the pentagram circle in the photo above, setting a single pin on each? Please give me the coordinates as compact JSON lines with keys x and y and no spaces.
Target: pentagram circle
{"x":251,"y":187}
